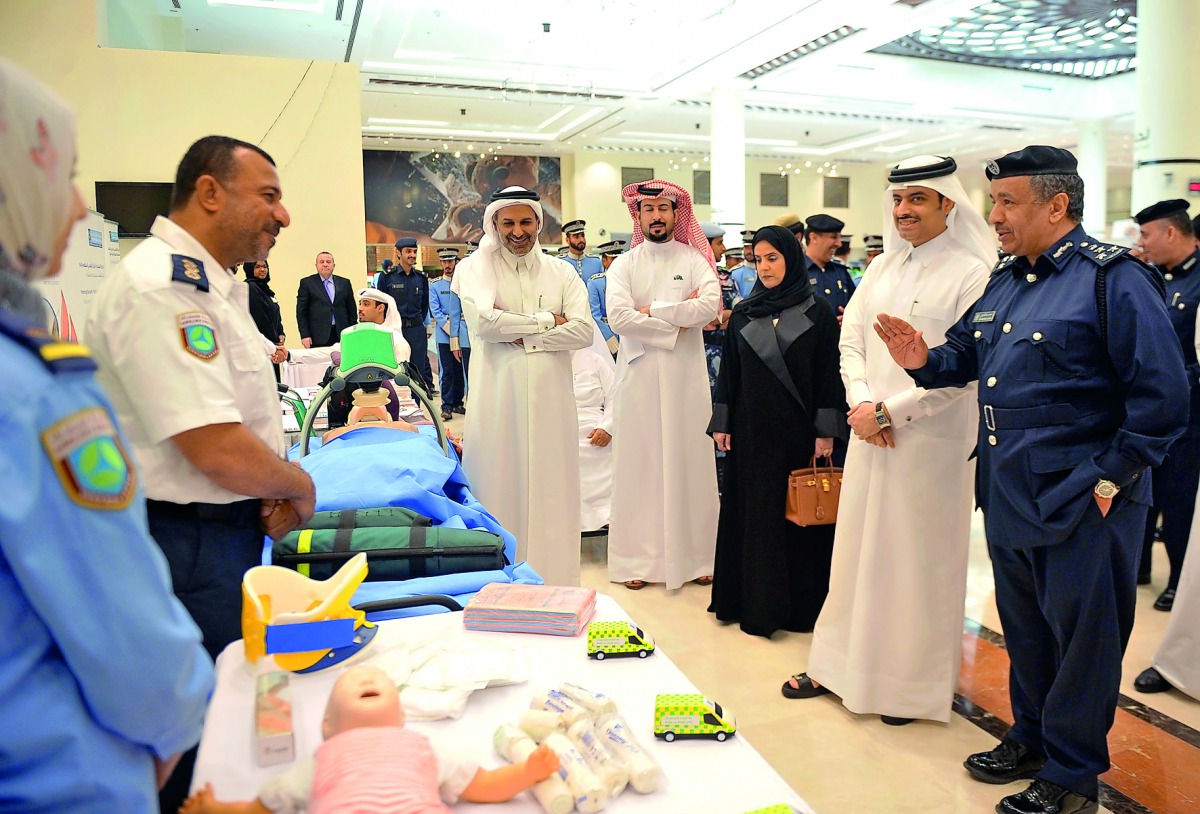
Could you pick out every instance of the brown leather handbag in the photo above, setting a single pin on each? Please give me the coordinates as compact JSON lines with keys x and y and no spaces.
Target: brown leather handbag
{"x":812,"y":495}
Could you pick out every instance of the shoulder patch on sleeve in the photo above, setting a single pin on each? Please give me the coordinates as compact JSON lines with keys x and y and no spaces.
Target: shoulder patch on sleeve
{"x":199,"y":338}
{"x":90,"y":461}
{"x":1102,"y":253}
{"x":599,"y":276}
{"x":188,"y":270}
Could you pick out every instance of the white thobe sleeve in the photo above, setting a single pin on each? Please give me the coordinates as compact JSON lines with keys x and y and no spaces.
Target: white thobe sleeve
{"x":605,"y":375}
{"x":853,"y":344}
{"x":914,"y":403}
{"x":574,"y":334}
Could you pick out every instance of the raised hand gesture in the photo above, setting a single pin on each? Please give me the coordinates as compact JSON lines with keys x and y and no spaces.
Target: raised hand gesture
{"x":904,"y":342}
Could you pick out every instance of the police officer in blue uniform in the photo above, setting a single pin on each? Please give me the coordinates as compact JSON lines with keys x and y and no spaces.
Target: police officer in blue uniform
{"x":453,"y":344}
{"x":585,"y":266}
{"x":103,"y":680}
{"x":1167,"y":241}
{"x":409,"y":287}
{"x":745,"y":276}
{"x":597,"y":288}
{"x":1081,"y":391}
{"x":829,"y":278}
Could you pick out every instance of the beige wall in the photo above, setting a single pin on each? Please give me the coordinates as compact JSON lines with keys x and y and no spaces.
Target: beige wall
{"x":139,"y":110}
{"x":598,"y":193}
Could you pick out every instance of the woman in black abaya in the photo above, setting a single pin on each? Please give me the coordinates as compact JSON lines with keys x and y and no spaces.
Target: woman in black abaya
{"x":264,"y":308}
{"x":779,"y":398}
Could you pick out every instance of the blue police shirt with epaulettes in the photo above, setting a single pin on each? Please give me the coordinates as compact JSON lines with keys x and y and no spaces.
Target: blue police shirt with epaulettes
{"x":833,"y":283}
{"x":585,"y":266}
{"x":445,"y":306}
{"x":1063,"y":402}
{"x":1183,"y":300}
{"x":597,"y":288}
{"x":82,"y":584}
{"x":410,"y":291}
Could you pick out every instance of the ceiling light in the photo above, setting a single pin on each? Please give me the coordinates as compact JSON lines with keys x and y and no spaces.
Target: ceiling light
{"x":555,"y":117}
{"x":580,"y":120}
{"x":426,"y":122}
{"x":278,"y":5}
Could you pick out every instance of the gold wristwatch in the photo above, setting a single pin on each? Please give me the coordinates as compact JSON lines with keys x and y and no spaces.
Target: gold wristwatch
{"x":1106,"y":489}
{"x":881,"y":416}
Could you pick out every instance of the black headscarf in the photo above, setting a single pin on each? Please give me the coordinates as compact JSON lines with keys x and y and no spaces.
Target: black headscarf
{"x":265,"y":282}
{"x":793,"y":290}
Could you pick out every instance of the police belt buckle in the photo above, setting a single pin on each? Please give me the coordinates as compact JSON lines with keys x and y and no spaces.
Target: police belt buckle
{"x":989,"y":417}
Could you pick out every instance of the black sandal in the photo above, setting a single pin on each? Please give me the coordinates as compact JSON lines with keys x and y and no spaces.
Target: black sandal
{"x":806,"y":688}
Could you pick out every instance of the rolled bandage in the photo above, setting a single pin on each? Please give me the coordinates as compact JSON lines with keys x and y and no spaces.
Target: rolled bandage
{"x":553,"y":700}
{"x":538,"y":723}
{"x":590,"y":794}
{"x":611,"y":771}
{"x":552,"y":793}
{"x":643,"y":771}
{"x":596,"y":702}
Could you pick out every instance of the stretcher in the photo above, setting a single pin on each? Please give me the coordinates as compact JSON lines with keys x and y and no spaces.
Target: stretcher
{"x":372,"y":467}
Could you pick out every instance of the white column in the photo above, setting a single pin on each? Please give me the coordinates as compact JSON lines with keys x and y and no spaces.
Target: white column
{"x":728,"y":158}
{"x":1166,"y":153}
{"x":1092,"y":153}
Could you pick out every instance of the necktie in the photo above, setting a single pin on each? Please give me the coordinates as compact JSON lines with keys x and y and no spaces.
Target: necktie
{"x":329,"y":288}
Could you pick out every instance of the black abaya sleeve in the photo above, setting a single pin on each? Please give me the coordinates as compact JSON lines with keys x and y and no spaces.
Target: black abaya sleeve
{"x":830,"y":418}
{"x":728,"y":382}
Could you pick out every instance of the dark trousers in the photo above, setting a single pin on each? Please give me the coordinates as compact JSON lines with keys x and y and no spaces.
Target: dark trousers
{"x":415,"y":336}
{"x":1067,"y":611}
{"x":453,"y":375}
{"x":1175,"y":483}
{"x":208,"y":548}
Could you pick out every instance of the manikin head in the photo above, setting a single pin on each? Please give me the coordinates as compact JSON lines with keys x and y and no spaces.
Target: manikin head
{"x":363,"y":696}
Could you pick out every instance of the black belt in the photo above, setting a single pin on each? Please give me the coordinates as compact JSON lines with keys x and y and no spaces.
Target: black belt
{"x":1024,"y":418}
{"x":409,"y":323}
{"x":235,"y":512}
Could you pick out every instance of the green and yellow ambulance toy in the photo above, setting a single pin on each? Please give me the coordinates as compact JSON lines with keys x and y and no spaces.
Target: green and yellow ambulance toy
{"x":617,"y":639}
{"x":691,"y":715}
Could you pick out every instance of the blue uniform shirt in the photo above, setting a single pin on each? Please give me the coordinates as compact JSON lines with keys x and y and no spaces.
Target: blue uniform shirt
{"x":444,"y":306}
{"x":585,"y":266}
{"x":1183,"y":299}
{"x":597,"y":288}
{"x":1062,"y":405}
{"x":101,"y":668}
{"x":833,"y":283}
{"x":410,"y":291}
{"x":744,"y":276}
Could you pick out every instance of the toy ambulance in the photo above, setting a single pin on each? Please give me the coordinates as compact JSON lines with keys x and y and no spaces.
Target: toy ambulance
{"x":617,"y":639}
{"x":691,"y":715}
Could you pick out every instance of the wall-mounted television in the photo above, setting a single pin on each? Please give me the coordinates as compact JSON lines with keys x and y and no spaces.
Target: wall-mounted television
{"x":132,"y":204}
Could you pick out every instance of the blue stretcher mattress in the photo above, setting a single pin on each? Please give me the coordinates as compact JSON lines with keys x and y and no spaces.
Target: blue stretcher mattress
{"x":373,"y":467}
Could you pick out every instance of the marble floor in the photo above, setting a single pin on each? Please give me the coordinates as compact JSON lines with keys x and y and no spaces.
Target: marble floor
{"x":843,"y":763}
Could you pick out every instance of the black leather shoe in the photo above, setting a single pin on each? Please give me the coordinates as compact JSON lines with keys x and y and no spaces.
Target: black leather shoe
{"x":807,"y":688}
{"x":891,"y":720}
{"x":446,"y":415}
{"x":460,"y":410}
{"x":1044,"y":797}
{"x":1166,"y":600}
{"x":1009,"y":761}
{"x":1151,"y":680}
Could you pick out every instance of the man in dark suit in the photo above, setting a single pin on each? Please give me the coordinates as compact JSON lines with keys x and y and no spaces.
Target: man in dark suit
{"x":325,"y":305}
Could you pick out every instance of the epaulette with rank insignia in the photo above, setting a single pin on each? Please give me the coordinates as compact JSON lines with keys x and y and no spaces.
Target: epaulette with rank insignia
{"x":57,"y":354}
{"x":188,"y":270}
{"x":1004,"y":263}
{"x":596,"y":276}
{"x":1101,"y":253}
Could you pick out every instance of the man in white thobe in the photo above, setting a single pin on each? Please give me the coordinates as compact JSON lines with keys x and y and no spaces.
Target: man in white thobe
{"x":660,"y":294}
{"x":524,"y":311}
{"x":889,"y":637}
{"x":595,"y":381}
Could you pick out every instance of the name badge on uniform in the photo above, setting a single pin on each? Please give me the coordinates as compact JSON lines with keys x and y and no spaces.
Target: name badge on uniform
{"x":984,"y":316}
{"x":678,"y":277}
{"x":90,"y":461}
{"x":199,"y":339}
